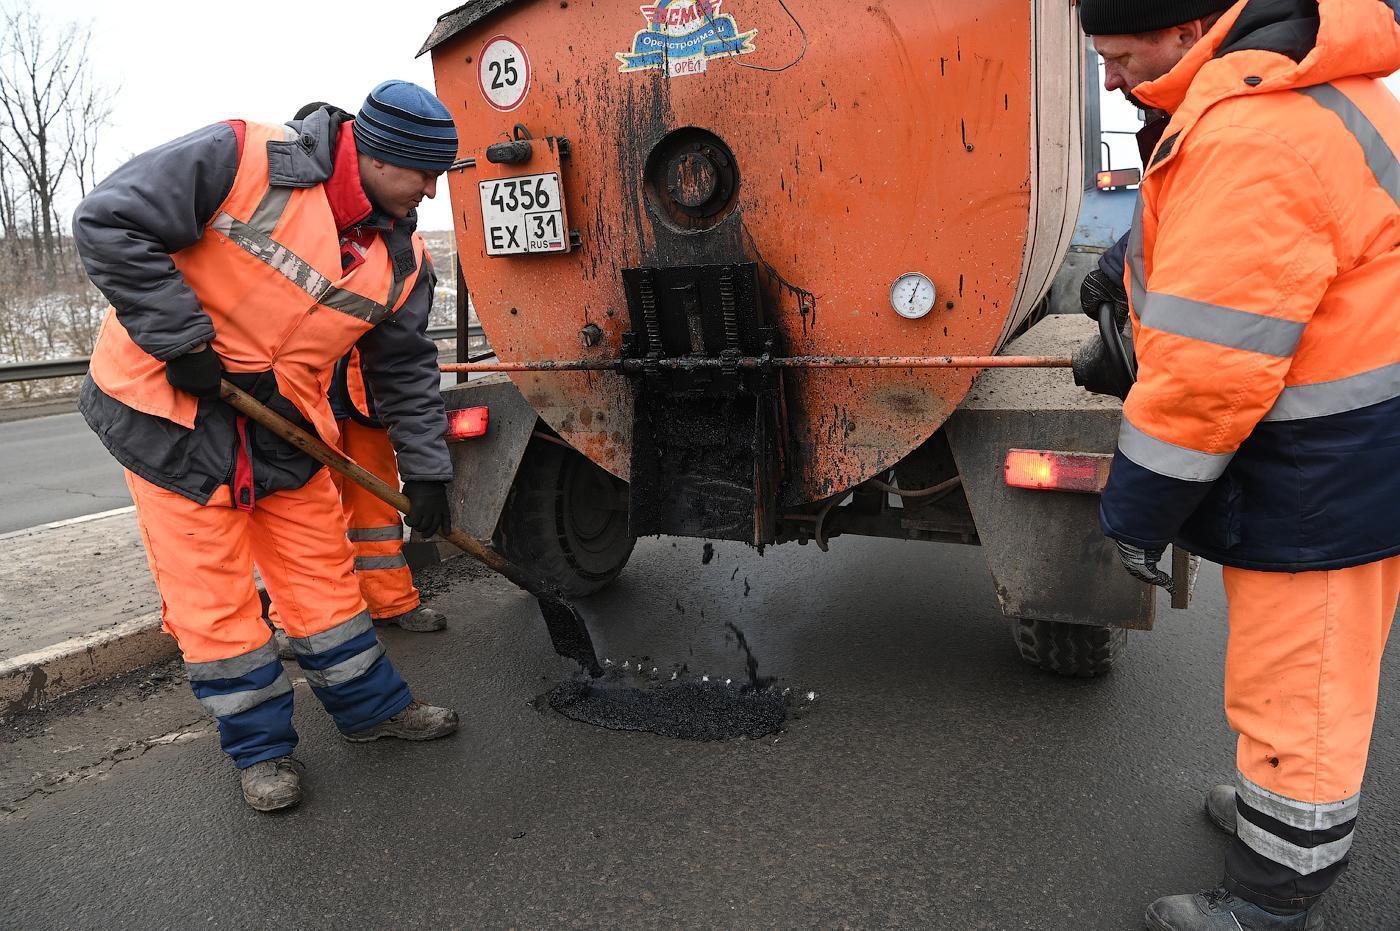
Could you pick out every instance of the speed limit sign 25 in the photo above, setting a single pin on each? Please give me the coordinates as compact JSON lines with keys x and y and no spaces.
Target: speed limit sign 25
{"x":504,"y":73}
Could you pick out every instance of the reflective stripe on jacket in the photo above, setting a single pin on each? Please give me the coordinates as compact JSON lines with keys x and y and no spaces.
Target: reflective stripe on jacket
{"x":1264,"y":278}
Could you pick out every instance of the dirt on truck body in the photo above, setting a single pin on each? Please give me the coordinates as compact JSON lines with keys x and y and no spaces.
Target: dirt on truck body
{"x":678,"y":215}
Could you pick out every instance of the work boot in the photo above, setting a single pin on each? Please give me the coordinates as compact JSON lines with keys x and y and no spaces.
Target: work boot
{"x":284,"y":646}
{"x":272,"y":784}
{"x":416,"y":722}
{"x":1220,"y":808}
{"x":1218,"y":910}
{"x":420,"y":620}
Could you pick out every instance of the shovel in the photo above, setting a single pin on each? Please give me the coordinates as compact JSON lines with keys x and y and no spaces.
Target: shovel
{"x":567,"y":630}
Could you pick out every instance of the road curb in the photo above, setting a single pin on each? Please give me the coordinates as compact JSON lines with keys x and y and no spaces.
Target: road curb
{"x":28,"y":680}
{"x":32,"y":679}
{"x":67,"y":522}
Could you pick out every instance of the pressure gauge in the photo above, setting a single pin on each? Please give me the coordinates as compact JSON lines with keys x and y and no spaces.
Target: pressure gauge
{"x":913,"y":295}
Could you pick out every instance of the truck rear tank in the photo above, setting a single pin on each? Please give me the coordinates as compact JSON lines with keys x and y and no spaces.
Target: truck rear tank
{"x":701,"y":188}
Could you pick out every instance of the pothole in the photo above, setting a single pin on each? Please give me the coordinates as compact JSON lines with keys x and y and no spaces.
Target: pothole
{"x":639,"y":697}
{"x":680,"y":709}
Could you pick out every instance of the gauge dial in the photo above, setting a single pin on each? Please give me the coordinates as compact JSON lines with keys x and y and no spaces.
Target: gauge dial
{"x":913,"y":295}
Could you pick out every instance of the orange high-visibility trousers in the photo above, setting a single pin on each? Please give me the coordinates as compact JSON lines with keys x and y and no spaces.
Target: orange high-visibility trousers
{"x":375,"y":528}
{"x":203,"y":556}
{"x":1302,"y":674}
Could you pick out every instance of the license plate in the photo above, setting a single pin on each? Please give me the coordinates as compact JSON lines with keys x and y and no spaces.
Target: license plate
{"x":523,"y":215}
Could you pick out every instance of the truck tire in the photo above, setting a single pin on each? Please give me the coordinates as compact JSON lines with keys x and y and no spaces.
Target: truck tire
{"x":562,"y":523}
{"x":1068,"y":649}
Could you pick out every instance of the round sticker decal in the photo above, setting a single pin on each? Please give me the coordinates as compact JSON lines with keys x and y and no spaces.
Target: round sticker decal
{"x":504,"y":73}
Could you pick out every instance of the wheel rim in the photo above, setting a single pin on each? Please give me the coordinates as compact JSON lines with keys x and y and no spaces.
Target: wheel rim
{"x":595,"y":532}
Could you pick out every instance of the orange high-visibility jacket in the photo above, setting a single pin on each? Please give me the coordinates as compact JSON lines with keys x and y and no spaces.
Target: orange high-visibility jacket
{"x":265,"y":272}
{"x":1263,"y":272}
{"x":350,"y":395}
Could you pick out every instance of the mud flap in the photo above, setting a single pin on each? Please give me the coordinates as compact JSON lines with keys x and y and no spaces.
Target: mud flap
{"x":1048,"y":557}
{"x":484,"y":468}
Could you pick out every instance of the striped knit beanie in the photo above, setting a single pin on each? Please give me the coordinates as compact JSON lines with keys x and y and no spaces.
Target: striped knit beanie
{"x":404,"y":124}
{"x":1130,"y":17}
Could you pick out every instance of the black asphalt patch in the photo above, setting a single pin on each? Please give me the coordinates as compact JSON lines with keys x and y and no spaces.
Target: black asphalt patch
{"x":682,"y":710}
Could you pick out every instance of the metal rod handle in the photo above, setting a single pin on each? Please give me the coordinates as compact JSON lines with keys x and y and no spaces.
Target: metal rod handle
{"x":750,"y":362}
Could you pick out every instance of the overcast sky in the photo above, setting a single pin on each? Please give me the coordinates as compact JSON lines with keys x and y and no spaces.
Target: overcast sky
{"x":182,"y":64}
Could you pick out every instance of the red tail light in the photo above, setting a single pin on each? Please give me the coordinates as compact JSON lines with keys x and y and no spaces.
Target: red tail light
{"x":467,"y":423}
{"x":1043,"y":470}
{"x":1119,"y":178}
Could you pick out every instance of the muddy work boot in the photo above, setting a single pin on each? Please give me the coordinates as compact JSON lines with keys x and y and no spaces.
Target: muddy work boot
{"x":1220,"y":808}
{"x":272,"y":784}
{"x":1218,"y":910}
{"x":416,"y":722}
{"x":420,"y":620}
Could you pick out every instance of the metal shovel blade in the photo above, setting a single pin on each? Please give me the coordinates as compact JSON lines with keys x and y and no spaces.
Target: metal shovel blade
{"x":569,"y":634}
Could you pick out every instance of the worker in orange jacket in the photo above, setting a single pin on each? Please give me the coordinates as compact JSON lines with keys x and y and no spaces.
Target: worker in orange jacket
{"x":1263,"y":431}
{"x":262,"y":253}
{"x":375,"y":529}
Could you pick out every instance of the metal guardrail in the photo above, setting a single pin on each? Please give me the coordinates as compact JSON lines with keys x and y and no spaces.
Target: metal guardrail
{"x":52,"y":368}
{"x":78,"y":365}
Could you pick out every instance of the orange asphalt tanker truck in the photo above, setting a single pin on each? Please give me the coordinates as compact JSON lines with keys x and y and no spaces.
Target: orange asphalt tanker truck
{"x":722,"y":249}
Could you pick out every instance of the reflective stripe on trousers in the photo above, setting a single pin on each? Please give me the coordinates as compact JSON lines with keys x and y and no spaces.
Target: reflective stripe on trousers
{"x":1301,"y":679}
{"x":347,"y":669}
{"x":203,"y":557}
{"x":233,"y":686}
{"x":376,"y":528}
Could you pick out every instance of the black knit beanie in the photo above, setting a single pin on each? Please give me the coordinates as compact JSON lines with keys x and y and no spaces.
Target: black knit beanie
{"x":1128,"y":17}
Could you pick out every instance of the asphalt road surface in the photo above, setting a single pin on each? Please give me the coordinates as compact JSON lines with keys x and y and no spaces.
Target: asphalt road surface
{"x":934,"y":782}
{"x":53,"y":468}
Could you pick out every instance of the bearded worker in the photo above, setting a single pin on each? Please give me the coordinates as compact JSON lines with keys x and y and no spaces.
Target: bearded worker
{"x":1263,"y":433}
{"x":262,"y":253}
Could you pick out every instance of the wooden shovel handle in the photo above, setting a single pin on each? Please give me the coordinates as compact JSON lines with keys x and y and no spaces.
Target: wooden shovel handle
{"x":260,"y":414}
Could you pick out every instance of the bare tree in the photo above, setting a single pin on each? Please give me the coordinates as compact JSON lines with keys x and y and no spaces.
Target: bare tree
{"x":85,"y":115}
{"x":52,"y":112}
{"x":40,"y":70}
{"x":9,"y":226}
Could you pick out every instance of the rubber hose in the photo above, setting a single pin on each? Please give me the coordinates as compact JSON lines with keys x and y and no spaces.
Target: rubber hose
{"x":1113,"y":343}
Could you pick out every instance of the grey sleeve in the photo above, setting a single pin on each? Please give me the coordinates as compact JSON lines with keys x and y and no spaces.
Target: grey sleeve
{"x":1112,"y":261}
{"x":400,"y":364}
{"x":127,"y":228}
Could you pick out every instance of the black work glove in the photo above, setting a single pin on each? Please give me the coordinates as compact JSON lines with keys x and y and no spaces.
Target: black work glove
{"x":429,"y":513}
{"x":1096,"y":288}
{"x":1095,"y":370}
{"x":1142,"y":564}
{"x":197,"y":373}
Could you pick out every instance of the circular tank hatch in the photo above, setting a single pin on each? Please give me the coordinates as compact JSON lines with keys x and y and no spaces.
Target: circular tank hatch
{"x":691,"y":179}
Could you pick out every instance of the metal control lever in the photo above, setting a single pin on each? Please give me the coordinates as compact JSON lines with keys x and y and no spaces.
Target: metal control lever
{"x":509,"y":153}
